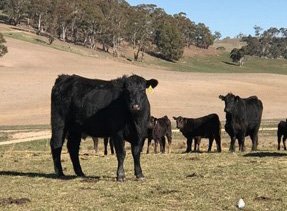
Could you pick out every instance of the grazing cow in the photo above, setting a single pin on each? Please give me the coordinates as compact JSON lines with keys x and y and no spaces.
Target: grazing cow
{"x":204,"y":127}
{"x":106,"y":141}
{"x":282,"y":131}
{"x":243,"y":118}
{"x":118,"y":109}
{"x":158,"y":129}
{"x":96,"y":143}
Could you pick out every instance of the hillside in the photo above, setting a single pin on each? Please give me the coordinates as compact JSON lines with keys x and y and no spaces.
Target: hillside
{"x":29,"y":69}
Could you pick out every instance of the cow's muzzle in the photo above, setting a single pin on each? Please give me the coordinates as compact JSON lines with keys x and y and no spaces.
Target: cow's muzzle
{"x":135,"y":108}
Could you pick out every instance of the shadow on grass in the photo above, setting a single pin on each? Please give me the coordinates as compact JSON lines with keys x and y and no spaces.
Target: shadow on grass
{"x":229,"y":63}
{"x":49,"y":176}
{"x":265,"y":154}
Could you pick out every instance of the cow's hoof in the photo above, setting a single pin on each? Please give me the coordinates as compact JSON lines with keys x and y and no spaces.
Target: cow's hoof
{"x":141,"y":179}
{"x":121,"y":179}
{"x":81,"y":174}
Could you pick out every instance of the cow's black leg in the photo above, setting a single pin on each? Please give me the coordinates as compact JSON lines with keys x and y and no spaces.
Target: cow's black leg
{"x":119,"y":144}
{"x":106,"y":141}
{"x":210,"y":143}
{"x":241,"y":141}
{"x":162,"y":150}
{"x":56,"y":144}
{"x":96,"y":144}
{"x":148,"y":145}
{"x":74,"y":140}
{"x":169,"y":143}
{"x":195,"y":144}
{"x":136,"y":152}
{"x":218,"y":143}
{"x":155,"y":145}
{"x":284,"y":142}
{"x":254,"y":138}
{"x":279,"y":141}
{"x":232,"y":143}
{"x":112,"y":146}
{"x":189,"y":143}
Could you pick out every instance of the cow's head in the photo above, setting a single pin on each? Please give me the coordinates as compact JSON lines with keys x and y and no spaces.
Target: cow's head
{"x":180,"y":122}
{"x":230,"y":100}
{"x":135,"y":89}
{"x":152,"y":122}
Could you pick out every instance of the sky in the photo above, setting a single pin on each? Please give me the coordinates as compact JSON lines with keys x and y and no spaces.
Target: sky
{"x":229,"y":17}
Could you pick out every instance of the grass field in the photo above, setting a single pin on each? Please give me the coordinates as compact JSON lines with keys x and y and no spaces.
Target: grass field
{"x":221,"y":63}
{"x":176,"y":181}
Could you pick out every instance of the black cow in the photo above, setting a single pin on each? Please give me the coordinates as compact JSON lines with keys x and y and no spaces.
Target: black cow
{"x":204,"y":127}
{"x":243,"y":118}
{"x":158,"y":129}
{"x":282,"y":131}
{"x":96,"y":143}
{"x":107,"y":141}
{"x":118,"y":109}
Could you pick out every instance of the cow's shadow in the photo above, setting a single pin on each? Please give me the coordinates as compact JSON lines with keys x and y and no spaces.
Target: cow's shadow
{"x":43,"y":175}
{"x":265,"y":154}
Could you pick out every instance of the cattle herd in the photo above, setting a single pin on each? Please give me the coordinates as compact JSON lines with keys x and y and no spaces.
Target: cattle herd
{"x":119,"y":109}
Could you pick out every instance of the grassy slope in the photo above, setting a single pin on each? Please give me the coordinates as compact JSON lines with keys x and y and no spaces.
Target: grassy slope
{"x":221,"y":64}
{"x":215,"y":63}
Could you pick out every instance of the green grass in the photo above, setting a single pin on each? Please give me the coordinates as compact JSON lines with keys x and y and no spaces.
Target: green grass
{"x":176,"y":181}
{"x":222,"y":64}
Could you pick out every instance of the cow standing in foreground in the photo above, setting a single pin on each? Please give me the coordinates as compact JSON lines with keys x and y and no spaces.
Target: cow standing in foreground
{"x":204,"y":127}
{"x":118,"y":109}
{"x":243,"y":118}
{"x":158,"y":129}
{"x":282,"y":131}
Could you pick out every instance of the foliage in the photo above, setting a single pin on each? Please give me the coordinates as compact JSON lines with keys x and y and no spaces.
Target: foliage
{"x":272,"y":43}
{"x":168,"y":39}
{"x":237,"y":55}
{"x":3,"y":48}
{"x":110,"y":23}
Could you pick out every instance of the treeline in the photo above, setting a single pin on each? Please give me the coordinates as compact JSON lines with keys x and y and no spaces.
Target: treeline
{"x":271,"y":43}
{"x":109,"y":23}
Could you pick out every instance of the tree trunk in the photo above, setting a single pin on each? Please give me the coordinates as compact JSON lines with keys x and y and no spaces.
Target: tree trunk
{"x":39,"y":23}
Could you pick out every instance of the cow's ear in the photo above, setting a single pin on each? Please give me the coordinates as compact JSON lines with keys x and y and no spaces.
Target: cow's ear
{"x":175,"y":118}
{"x":221,"y":97}
{"x":152,"y":82}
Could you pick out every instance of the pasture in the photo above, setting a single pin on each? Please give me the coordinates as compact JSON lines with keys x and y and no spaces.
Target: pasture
{"x":176,"y":181}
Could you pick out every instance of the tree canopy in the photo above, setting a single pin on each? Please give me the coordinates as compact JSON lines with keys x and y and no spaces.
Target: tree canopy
{"x":110,"y":23}
{"x":3,"y":48}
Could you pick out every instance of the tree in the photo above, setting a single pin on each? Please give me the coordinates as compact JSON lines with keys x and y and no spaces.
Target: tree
{"x":187,"y":29}
{"x":139,"y":28}
{"x":16,"y":10}
{"x":217,"y":35}
{"x":114,"y":22}
{"x":3,"y":48}
{"x":204,"y":37}
{"x":237,"y":55}
{"x":257,"y":29}
{"x":168,"y":39}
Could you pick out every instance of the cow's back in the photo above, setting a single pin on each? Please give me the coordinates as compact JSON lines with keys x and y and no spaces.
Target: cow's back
{"x":203,"y":126}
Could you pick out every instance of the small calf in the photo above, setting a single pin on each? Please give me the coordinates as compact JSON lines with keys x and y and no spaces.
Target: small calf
{"x":157,"y":130}
{"x":196,"y":128}
{"x":282,"y":131}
